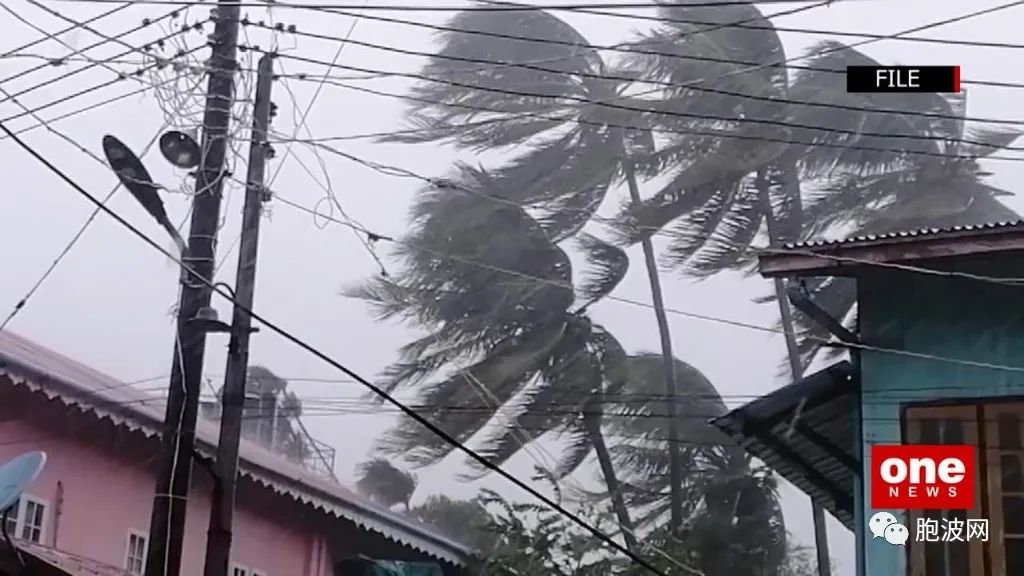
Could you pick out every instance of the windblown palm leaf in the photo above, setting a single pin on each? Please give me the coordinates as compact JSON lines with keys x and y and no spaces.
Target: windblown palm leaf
{"x":710,"y":198}
{"x":383,"y":482}
{"x":533,"y":99}
{"x":495,"y":294}
{"x":726,"y":500}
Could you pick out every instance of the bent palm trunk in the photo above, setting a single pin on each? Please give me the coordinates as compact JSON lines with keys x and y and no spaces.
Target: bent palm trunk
{"x":593,"y":424}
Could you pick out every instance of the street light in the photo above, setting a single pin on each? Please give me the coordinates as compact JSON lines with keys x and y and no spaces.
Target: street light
{"x":181,"y":150}
{"x":136,"y":179}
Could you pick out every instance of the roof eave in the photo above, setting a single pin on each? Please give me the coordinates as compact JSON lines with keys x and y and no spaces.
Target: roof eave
{"x":849,"y":259}
{"x":419,"y":539}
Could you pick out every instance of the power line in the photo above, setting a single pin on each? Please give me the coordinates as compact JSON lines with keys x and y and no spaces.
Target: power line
{"x":144,"y":24}
{"x":695,"y":132}
{"x":491,"y":64}
{"x":20,"y":305}
{"x":495,"y":7}
{"x":628,"y":47}
{"x":331,"y":197}
{"x":776,"y":100}
{"x":85,"y":91}
{"x":676,"y":311}
{"x":336,"y":364}
{"x":53,"y":35}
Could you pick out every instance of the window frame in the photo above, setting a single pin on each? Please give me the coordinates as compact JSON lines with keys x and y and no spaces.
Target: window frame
{"x":982,"y":418}
{"x":910,"y":425}
{"x":128,"y":549}
{"x":994,"y":487}
{"x":19,"y":517}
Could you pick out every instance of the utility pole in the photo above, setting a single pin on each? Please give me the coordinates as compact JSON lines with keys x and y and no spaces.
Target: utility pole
{"x":218,"y":543}
{"x":170,"y":503}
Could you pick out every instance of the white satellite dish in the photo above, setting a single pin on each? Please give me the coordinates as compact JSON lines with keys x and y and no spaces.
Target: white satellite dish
{"x":17,"y":475}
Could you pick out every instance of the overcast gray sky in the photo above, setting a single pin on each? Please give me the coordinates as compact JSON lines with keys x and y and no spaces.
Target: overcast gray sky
{"x":108,"y":304}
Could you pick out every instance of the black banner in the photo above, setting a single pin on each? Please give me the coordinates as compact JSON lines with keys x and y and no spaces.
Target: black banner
{"x":903,"y":79}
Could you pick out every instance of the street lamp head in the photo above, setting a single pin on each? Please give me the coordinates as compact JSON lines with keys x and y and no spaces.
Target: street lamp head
{"x":206,"y":320}
{"x":180,"y":149}
{"x":133,"y":176}
{"x":136,"y":179}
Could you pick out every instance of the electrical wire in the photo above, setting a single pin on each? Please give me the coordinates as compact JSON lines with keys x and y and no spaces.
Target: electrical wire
{"x":28,"y":23}
{"x":331,"y":197}
{"x":20,"y":305}
{"x":144,"y":24}
{"x":570,"y":117}
{"x":494,"y":7}
{"x":336,"y":364}
{"x":647,"y":111}
{"x":81,"y":92}
{"x":633,"y":46}
{"x":627,"y":47}
{"x":669,"y":310}
{"x":914,"y":29}
{"x":48,"y":36}
{"x":492,"y":64}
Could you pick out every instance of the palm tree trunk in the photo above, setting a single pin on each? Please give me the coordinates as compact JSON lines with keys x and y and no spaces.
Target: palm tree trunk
{"x":668,"y":360}
{"x":593,"y":424}
{"x":796,"y":366}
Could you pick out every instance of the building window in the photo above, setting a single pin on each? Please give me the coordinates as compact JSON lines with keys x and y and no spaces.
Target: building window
{"x":997,"y":428}
{"x":135,"y":558}
{"x":27,"y":519}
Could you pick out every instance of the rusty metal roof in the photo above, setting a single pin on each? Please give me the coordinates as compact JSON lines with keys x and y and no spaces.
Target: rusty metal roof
{"x":909,"y":234}
{"x":41,"y":369}
{"x":806,"y":432}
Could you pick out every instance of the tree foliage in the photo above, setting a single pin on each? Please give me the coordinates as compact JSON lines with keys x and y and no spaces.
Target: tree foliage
{"x":384,"y":482}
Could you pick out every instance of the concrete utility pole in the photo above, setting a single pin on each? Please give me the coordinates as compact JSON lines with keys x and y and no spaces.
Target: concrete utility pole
{"x":218,"y":543}
{"x":170,"y":503}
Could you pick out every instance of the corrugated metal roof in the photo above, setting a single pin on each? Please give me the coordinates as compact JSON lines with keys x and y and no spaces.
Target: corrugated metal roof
{"x":42,"y":369}
{"x":812,"y":451}
{"x":957,"y":230}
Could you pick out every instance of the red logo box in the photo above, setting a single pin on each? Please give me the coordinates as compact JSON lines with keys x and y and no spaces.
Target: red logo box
{"x":923,"y":477}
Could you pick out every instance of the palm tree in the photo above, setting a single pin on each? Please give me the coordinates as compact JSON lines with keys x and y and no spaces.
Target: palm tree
{"x":384,"y":482}
{"x":464,"y":520}
{"x":578,"y":149}
{"x":496,"y":296}
{"x":720,"y":118}
{"x":722,"y":491}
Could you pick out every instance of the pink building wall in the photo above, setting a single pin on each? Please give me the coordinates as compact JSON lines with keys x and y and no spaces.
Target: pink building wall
{"x":108,"y":490}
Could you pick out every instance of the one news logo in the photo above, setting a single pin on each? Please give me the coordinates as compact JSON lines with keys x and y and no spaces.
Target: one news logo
{"x":922,"y":477}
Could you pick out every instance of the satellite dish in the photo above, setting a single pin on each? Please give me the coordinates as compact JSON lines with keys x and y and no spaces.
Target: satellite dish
{"x":180,"y":149}
{"x":17,"y":475}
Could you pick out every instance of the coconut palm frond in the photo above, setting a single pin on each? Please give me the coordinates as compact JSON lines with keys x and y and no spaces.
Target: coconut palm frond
{"x":987,"y":141}
{"x":385,"y":483}
{"x":607,"y":265}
